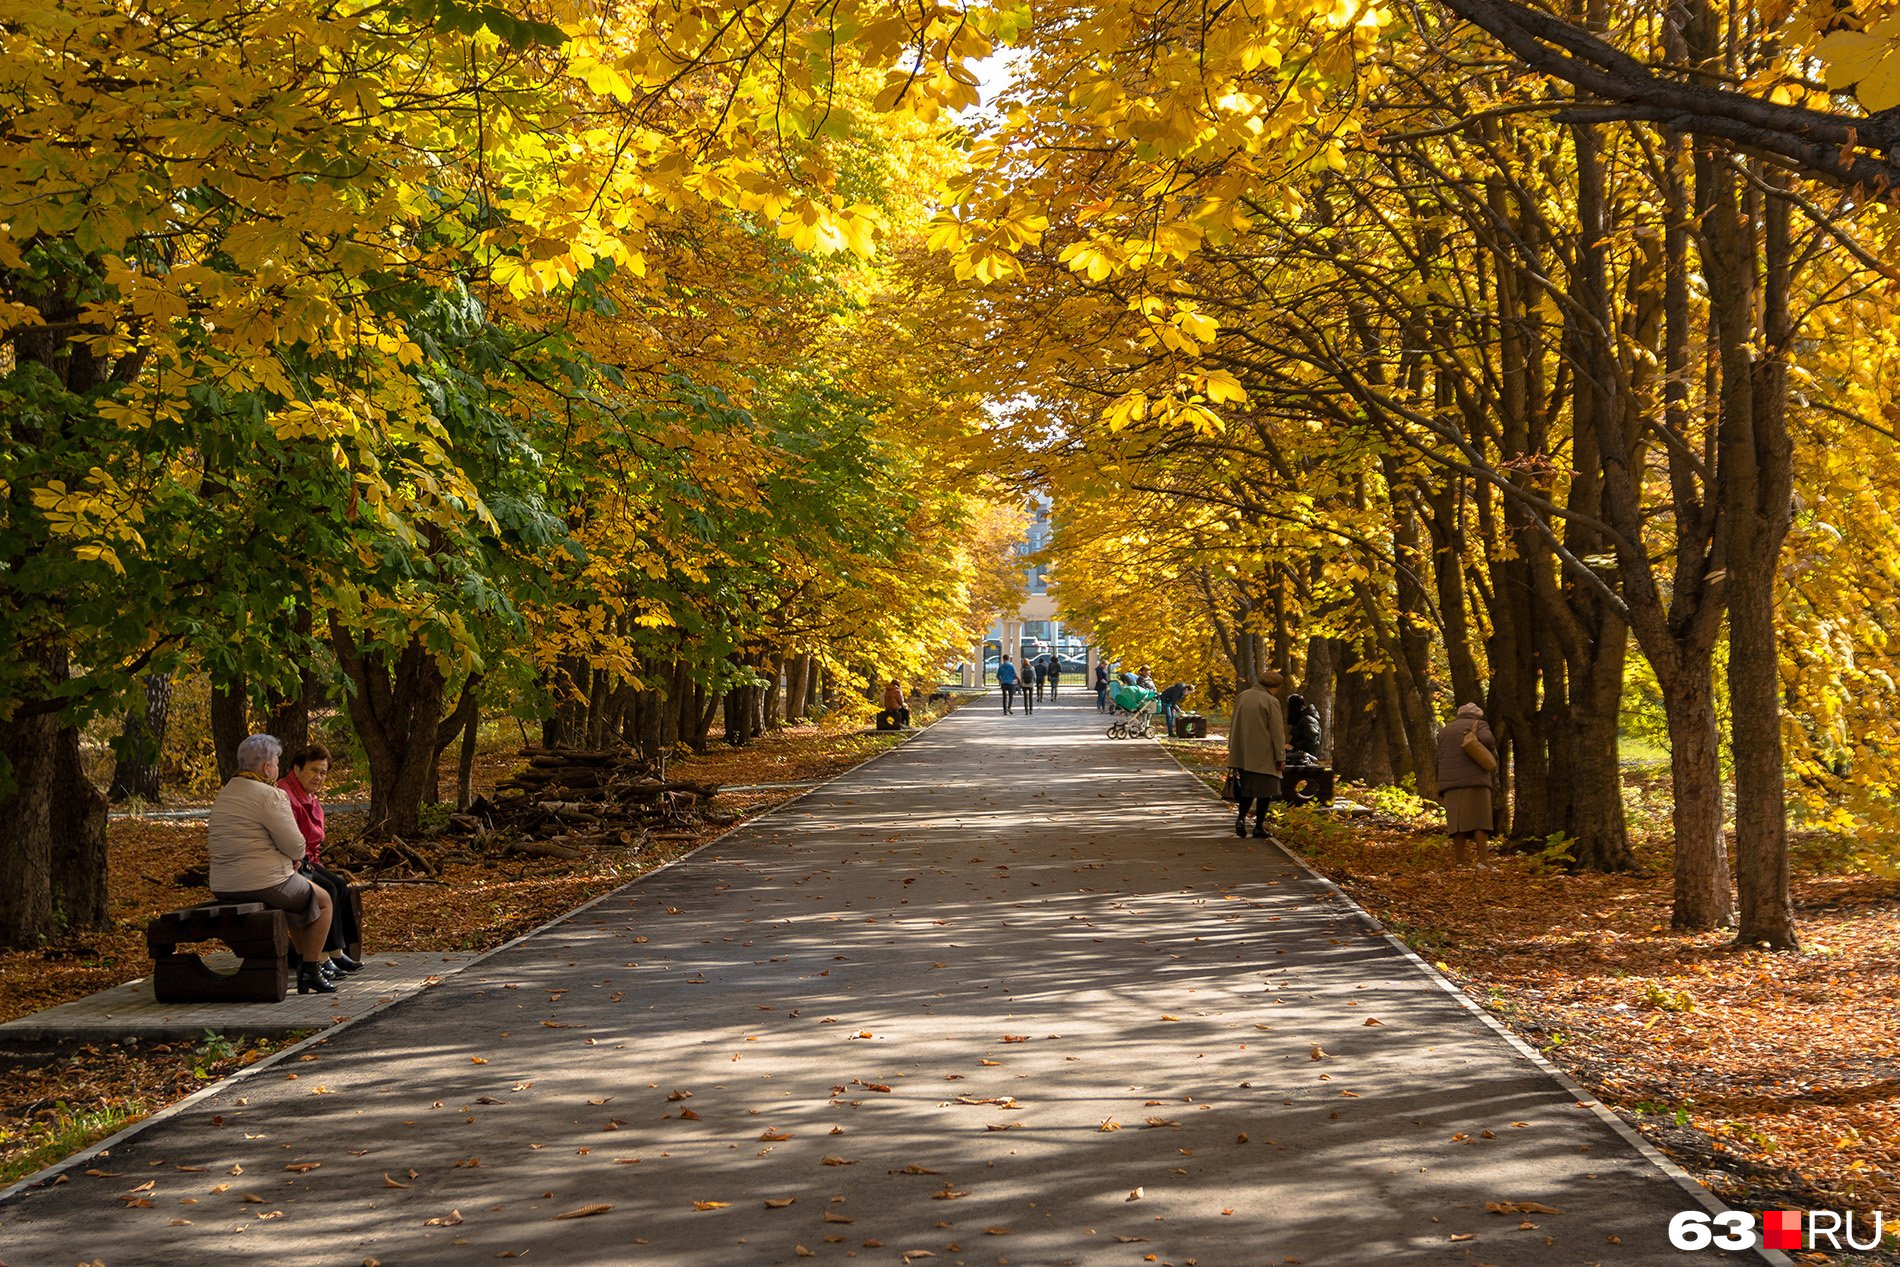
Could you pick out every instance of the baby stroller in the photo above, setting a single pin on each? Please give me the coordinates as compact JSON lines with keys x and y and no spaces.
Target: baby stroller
{"x":1134,"y":709}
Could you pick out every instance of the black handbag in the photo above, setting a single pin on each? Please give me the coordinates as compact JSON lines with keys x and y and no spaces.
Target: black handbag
{"x":1230,"y":790}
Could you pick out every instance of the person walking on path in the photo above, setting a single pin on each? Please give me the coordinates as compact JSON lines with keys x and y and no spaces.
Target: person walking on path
{"x":1055,"y":675}
{"x":1467,"y":756}
{"x":1024,"y":676}
{"x":1101,"y":687}
{"x":1256,"y":750}
{"x":1042,"y":676}
{"x":1006,"y":678}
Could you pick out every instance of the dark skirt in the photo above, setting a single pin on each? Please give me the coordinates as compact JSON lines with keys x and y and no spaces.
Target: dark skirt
{"x":1255,"y":786}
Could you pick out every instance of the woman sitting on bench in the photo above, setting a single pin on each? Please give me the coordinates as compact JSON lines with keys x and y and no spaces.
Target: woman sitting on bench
{"x":255,"y":849}
{"x":309,"y":769}
{"x":896,"y":712}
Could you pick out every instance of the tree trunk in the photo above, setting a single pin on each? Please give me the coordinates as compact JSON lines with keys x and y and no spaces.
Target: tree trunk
{"x":1595,"y":819}
{"x":465,"y":769}
{"x":1320,"y":686}
{"x":29,"y":746}
{"x":706,"y":706}
{"x":797,"y":680}
{"x":289,"y":718}
{"x":1702,"y":898}
{"x":738,"y":727}
{"x":135,"y":773}
{"x":1448,"y":574}
{"x":397,"y":711}
{"x":52,"y":828}
{"x":1359,"y":741}
{"x":78,"y":821}
{"x":1756,"y":458}
{"x":230,"y":725}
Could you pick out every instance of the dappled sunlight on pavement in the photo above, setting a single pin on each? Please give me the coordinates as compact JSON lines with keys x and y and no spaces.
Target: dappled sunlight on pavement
{"x":1012,"y":993}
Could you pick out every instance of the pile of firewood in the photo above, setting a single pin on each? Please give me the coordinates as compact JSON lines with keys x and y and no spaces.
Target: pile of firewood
{"x":567,"y":801}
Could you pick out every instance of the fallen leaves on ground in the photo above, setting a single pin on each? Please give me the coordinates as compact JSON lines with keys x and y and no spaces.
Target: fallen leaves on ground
{"x":1753,"y":1069}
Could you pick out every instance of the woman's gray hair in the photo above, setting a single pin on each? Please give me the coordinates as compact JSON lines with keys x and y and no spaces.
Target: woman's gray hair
{"x":258,"y":751}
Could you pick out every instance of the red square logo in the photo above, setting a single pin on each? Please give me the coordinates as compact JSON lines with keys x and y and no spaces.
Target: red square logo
{"x":1781,"y":1229}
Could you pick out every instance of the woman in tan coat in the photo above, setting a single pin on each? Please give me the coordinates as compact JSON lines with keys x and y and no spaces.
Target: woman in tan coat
{"x":1256,"y":750}
{"x":1467,"y":754}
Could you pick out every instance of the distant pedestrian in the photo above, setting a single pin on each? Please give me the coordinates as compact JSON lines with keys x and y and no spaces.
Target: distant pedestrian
{"x":1006,"y":678}
{"x":1467,"y":756}
{"x":1042,"y":676}
{"x":1055,"y":675}
{"x":1256,"y":750}
{"x":1101,"y":687}
{"x":1024,"y":676}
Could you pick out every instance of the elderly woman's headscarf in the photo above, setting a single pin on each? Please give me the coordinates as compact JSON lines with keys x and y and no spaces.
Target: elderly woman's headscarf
{"x":1470,"y":710}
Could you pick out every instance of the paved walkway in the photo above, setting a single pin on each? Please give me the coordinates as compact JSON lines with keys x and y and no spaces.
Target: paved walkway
{"x":1010,"y":994}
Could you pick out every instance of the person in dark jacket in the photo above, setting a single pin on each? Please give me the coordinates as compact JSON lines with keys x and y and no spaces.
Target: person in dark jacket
{"x":1467,"y":754}
{"x":1055,"y":675}
{"x":1303,"y":737}
{"x":1171,"y":701}
{"x":1042,"y":675}
{"x":1024,"y":677}
{"x":1101,"y":687}
{"x":1006,"y":678}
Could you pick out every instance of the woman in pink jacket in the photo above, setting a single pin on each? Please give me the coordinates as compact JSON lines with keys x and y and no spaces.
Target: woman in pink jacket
{"x":309,"y":769}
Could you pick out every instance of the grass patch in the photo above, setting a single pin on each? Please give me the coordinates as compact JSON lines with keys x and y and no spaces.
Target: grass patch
{"x":65,"y":1132}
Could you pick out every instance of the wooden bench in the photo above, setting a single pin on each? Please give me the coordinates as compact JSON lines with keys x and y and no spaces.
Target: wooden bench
{"x":258,"y":935}
{"x":1300,"y":784}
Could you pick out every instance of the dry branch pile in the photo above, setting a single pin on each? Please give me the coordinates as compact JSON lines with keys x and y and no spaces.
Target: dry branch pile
{"x":567,"y":801}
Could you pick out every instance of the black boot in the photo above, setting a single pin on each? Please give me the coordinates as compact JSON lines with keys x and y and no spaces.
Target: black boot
{"x":310,"y":980}
{"x":1240,"y":823}
{"x":1259,"y":829}
{"x":343,"y":963}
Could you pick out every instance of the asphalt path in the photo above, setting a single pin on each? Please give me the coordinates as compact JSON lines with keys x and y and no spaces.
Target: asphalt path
{"x":1011,"y":993}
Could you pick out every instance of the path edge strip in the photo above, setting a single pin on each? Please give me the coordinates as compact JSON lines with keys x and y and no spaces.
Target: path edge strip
{"x":44,"y":1177}
{"x":1577,"y":1091}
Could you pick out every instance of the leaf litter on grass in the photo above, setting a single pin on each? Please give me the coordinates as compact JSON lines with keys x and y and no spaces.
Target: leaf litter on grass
{"x":1756,"y":1070}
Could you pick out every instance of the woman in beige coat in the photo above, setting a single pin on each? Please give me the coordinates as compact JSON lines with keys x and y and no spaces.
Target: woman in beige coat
{"x":1467,"y":754}
{"x":1256,"y":750}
